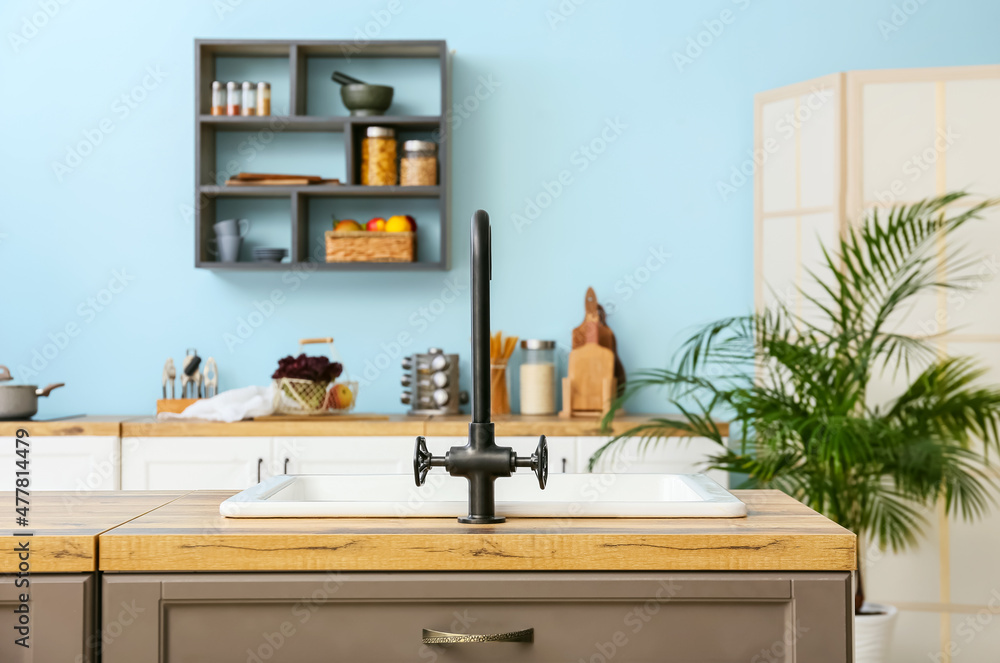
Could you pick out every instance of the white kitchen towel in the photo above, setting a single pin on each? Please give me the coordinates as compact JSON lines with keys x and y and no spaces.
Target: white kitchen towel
{"x":232,"y":405}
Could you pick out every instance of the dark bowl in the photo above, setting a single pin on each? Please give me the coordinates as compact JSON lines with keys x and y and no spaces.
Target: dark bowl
{"x":363,"y":99}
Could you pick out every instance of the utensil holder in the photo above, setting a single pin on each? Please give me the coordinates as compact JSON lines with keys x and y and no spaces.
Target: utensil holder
{"x":499,"y":392}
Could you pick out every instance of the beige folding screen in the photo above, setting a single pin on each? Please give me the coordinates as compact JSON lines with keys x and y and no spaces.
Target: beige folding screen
{"x":827,"y":150}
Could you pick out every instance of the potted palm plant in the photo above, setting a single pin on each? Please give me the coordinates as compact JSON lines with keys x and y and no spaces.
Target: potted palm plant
{"x":797,"y":392}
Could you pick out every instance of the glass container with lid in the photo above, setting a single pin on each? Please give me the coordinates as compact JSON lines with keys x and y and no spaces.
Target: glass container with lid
{"x":538,"y":377}
{"x":378,"y":157}
{"x":418,"y":165}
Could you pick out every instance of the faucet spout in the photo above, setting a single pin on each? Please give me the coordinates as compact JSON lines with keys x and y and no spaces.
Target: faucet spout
{"x":481,"y":461}
{"x":482,"y":268}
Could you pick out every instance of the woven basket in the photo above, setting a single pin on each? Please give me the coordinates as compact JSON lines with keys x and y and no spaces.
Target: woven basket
{"x":292,"y":396}
{"x":367,"y":246}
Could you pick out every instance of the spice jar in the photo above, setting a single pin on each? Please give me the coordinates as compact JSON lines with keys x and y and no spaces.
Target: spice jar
{"x":263,"y":98}
{"x":232,"y":98}
{"x":538,"y":377}
{"x":378,"y":157}
{"x":249,"y":98}
{"x":418,"y":165}
{"x":218,"y":99}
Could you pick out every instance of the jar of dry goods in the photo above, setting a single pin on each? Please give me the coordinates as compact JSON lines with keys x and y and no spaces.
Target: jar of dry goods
{"x":263,"y":98}
{"x":249,"y":98}
{"x":378,"y":157}
{"x":218,"y":98}
{"x":418,"y":165}
{"x":538,"y":377}
{"x":232,"y":98}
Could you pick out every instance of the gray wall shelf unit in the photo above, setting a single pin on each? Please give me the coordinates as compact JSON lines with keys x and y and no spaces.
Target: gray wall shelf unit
{"x":298,"y":53}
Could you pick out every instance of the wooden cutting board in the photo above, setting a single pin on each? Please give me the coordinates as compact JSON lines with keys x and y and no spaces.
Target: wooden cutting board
{"x":594,"y":313}
{"x":590,"y":365}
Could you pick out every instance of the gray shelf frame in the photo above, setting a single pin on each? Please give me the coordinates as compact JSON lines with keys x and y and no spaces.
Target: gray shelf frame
{"x":298,"y":52}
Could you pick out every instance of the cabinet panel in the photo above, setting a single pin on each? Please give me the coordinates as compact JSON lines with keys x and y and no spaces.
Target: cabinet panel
{"x":62,"y":619}
{"x":72,"y":462}
{"x":308,"y":618}
{"x":778,"y":170}
{"x":898,"y":132}
{"x":676,"y":455}
{"x":974,"y":135}
{"x":194,"y":463}
{"x":344,"y":455}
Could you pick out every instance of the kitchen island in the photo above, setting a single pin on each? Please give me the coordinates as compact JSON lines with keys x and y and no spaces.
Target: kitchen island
{"x":776,"y":584}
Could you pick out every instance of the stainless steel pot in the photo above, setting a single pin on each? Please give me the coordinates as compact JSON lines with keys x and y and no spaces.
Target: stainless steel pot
{"x":20,"y":401}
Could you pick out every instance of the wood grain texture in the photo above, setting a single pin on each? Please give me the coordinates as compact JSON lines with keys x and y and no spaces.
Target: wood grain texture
{"x":549,"y":425}
{"x":384,"y":425}
{"x":65,"y":526}
{"x":104,"y":425}
{"x":188,"y":534}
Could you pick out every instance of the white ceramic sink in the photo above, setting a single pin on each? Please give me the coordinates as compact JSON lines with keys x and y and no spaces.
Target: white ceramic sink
{"x":565,"y":496}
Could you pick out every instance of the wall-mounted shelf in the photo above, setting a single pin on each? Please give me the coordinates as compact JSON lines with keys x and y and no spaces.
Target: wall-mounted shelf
{"x":317,"y":56}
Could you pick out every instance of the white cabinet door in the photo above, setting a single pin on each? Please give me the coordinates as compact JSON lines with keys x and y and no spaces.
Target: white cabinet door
{"x":344,"y":455}
{"x":72,"y":463}
{"x":671,"y":456}
{"x":194,"y":463}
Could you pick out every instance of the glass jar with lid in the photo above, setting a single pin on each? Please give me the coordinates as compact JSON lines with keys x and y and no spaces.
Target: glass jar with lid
{"x":378,"y":157}
{"x":538,"y":377}
{"x":418,"y":165}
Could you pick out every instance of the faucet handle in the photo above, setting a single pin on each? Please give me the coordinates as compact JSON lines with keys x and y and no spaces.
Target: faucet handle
{"x":423,"y":461}
{"x":538,"y":462}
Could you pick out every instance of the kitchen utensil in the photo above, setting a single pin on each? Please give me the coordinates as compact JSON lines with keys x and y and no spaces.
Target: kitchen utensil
{"x":594,"y":312}
{"x":365,"y":100}
{"x":500,"y":351}
{"x":229,"y":247}
{"x":190,"y":377}
{"x":431,"y":383}
{"x":239,"y":227}
{"x":174,"y":405}
{"x":20,"y":401}
{"x":169,"y":375}
{"x":589,"y":387}
{"x":276,"y":176}
{"x":344,"y":79}
{"x":211,"y":378}
{"x":283,"y":181}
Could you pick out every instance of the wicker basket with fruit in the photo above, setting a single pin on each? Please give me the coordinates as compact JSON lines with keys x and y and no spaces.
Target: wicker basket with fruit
{"x":307,"y":385}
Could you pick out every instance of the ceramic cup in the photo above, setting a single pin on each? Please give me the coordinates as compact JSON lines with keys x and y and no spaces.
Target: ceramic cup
{"x":229,"y":247}
{"x":238,"y":227}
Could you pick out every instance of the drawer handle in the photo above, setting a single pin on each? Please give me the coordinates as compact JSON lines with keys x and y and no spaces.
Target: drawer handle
{"x":432,"y":637}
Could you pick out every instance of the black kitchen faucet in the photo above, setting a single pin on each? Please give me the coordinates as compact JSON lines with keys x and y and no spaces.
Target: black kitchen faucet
{"x":481,"y":461}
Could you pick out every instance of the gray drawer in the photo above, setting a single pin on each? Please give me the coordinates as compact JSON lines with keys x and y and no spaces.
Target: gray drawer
{"x":61,"y":610}
{"x":315,"y":617}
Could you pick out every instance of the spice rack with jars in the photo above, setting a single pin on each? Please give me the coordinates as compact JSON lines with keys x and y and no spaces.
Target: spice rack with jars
{"x":289,"y":115}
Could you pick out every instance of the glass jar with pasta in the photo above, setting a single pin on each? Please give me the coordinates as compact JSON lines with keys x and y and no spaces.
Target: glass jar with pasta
{"x":378,"y":157}
{"x":418,"y":165}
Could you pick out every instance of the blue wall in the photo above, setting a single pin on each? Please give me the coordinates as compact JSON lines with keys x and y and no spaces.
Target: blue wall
{"x":106,"y":248}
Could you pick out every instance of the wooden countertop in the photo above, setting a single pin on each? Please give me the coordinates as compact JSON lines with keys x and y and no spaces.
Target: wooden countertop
{"x":188,"y":534}
{"x":103,"y":425}
{"x":397,"y":424}
{"x":379,"y":425}
{"x":65,"y":526}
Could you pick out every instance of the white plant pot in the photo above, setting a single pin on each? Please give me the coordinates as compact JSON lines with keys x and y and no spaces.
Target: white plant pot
{"x":873,"y":633}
